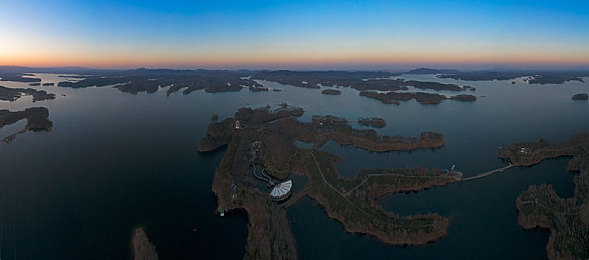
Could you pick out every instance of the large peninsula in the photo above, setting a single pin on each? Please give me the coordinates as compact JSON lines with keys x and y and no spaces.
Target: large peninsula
{"x":566,"y":218}
{"x":266,"y":137}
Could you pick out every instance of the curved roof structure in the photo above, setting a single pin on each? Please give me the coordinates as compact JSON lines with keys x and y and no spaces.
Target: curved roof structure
{"x":281,"y":190}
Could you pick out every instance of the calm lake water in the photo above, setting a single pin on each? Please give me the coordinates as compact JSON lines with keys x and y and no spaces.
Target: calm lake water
{"x":115,"y":161}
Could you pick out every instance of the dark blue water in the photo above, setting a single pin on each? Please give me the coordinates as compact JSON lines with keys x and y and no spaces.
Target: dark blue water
{"x":115,"y":161}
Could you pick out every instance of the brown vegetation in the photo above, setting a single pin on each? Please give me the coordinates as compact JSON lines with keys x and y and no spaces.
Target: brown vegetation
{"x":331,"y":91}
{"x":353,"y":201}
{"x":383,"y":97}
{"x":529,"y":153}
{"x":421,"y":97}
{"x":372,"y":122}
{"x":567,"y":219}
{"x":275,"y":133}
{"x":464,"y":97}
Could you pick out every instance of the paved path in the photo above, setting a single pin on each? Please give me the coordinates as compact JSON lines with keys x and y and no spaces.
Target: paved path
{"x":264,"y":176}
{"x":358,"y":208}
{"x":549,"y":208}
{"x":323,"y":177}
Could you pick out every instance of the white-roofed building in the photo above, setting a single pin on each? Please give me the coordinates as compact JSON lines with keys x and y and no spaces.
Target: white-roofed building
{"x":281,"y":191}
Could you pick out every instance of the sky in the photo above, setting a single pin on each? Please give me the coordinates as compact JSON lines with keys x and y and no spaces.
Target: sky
{"x":294,"y":34}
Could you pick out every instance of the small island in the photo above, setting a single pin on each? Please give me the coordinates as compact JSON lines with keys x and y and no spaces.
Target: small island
{"x":37,"y":120}
{"x":540,"y":206}
{"x":331,"y":91}
{"x":12,"y":94}
{"x":580,"y":96}
{"x":265,"y":138}
{"x":464,"y":97}
{"x":49,"y":84}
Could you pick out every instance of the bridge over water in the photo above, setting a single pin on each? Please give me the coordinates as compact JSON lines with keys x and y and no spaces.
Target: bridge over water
{"x":485,"y":174}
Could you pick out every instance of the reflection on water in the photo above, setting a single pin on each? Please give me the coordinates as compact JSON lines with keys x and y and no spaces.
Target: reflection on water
{"x":115,"y":160}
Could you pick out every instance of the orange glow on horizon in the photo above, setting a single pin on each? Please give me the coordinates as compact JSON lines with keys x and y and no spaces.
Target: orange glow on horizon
{"x":274,"y":59}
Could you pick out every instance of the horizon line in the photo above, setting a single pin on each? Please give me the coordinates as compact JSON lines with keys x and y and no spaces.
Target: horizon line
{"x":326,"y":67}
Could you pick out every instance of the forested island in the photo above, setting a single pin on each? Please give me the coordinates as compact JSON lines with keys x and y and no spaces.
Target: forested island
{"x":580,"y":96}
{"x":266,"y":137}
{"x":331,"y":92}
{"x":12,"y":94}
{"x":566,"y":218}
{"x":421,"y":97}
{"x":37,"y":120}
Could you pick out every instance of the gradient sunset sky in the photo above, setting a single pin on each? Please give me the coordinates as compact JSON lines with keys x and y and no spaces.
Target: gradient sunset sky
{"x":294,"y":34}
